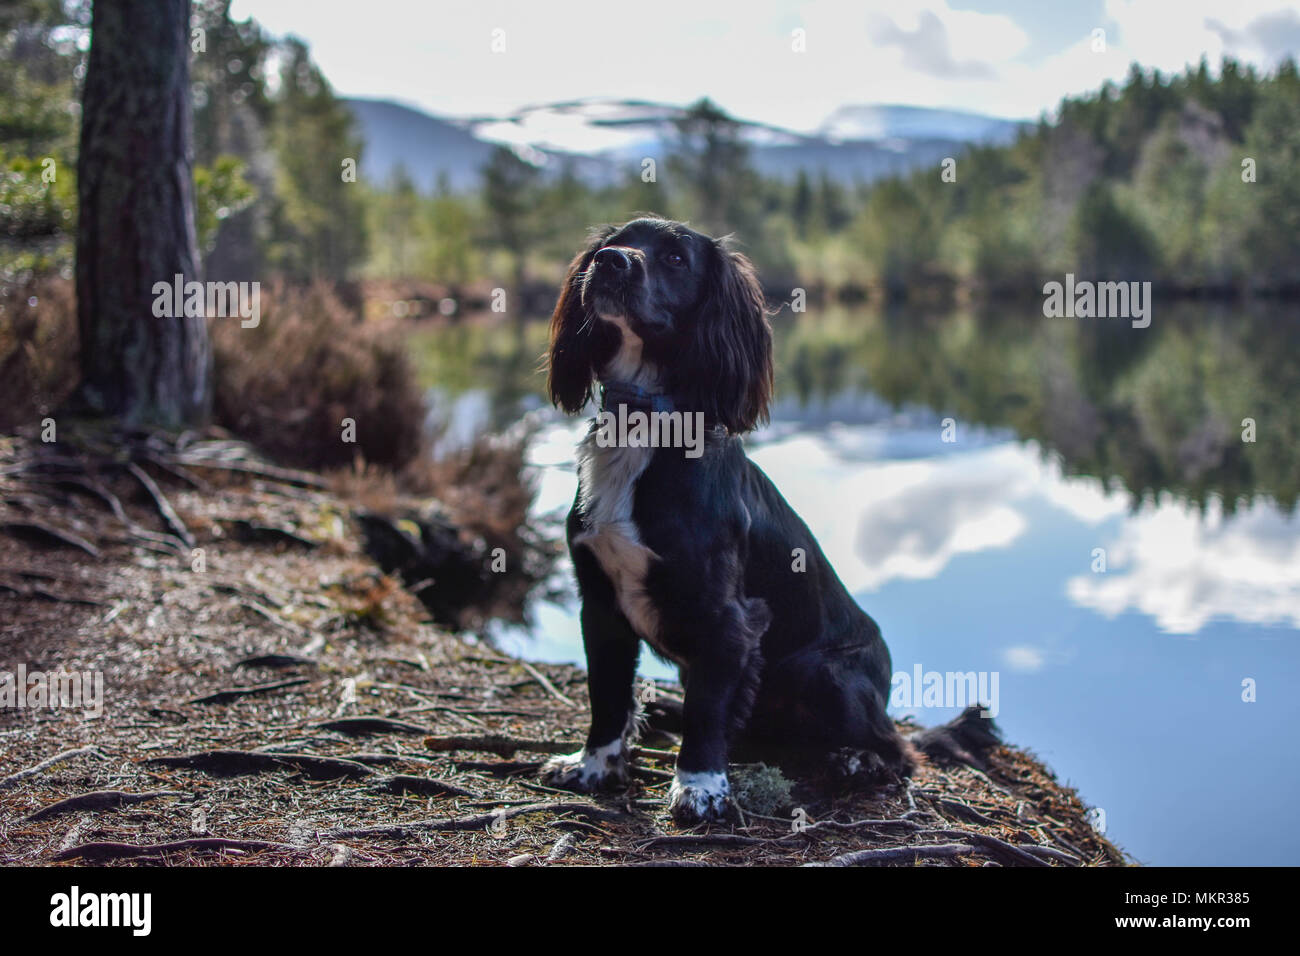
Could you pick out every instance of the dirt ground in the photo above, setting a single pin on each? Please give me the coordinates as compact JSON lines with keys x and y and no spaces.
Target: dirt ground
{"x":276,"y":701}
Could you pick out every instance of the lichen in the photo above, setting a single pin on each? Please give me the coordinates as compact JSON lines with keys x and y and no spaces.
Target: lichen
{"x":760,"y":789}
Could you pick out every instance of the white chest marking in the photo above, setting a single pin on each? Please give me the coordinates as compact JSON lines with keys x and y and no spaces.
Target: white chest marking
{"x":608,"y":479}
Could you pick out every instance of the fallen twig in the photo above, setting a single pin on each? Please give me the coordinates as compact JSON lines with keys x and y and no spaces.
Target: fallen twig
{"x":31,"y":528}
{"x":274,"y":618}
{"x":178,"y":472}
{"x":478,"y":821}
{"x":252,"y":468}
{"x":968,"y":813}
{"x":161,"y":504}
{"x":44,"y":594}
{"x":500,"y":768}
{"x":546,"y":684}
{"x":1052,"y":853}
{"x":383,"y":760}
{"x":32,"y":771}
{"x":899,"y":854}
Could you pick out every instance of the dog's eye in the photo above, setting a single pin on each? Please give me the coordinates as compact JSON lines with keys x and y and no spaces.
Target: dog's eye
{"x":674,"y":259}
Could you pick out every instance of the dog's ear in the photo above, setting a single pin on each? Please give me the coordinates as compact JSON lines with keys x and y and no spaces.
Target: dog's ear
{"x":572,"y":360}
{"x":727,"y":368}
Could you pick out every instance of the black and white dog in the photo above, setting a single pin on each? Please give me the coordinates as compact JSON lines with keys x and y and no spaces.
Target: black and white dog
{"x":695,"y":551}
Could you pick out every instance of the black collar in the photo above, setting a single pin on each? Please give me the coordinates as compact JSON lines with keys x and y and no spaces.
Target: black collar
{"x":636,"y":398}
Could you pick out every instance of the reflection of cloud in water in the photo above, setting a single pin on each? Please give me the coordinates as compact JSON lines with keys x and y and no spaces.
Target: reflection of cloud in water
{"x":887,"y":520}
{"x":1023,"y":657}
{"x":1183,"y":569}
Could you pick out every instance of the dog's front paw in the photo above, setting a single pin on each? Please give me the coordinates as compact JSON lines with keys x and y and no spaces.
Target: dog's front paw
{"x":587,"y":771}
{"x":700,"y":798}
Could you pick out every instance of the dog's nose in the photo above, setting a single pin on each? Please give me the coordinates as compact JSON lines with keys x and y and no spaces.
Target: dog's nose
{"x":615,"y":259}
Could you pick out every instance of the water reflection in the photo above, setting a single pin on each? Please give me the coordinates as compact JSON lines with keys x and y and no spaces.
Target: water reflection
{"x":1184,"y":568}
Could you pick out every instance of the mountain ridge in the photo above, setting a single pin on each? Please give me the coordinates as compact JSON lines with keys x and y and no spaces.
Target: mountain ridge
{"x":598,"y":138}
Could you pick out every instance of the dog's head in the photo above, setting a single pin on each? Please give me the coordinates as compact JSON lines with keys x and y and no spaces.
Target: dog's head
{"x":678,"y":309}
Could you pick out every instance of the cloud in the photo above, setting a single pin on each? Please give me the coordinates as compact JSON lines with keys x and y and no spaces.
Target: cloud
{"x":1024,"y":658}
{"x":1268,"y":37}
{"x":881,"y":521}
{"x":1259,"y":31}
{"x":739,"y":52}
{"x":891,"y":520}
{"x":1185,"y":570}
{"x":926,"y":49}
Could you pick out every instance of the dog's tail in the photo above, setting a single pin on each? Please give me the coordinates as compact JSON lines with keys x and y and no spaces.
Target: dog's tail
{"x":967,"y":738}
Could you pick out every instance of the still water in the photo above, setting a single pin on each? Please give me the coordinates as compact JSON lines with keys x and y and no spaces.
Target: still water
{"x":1162,"y":683}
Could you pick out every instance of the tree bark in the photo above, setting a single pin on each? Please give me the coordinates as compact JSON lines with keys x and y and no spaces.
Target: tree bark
{"x":135,"y":187}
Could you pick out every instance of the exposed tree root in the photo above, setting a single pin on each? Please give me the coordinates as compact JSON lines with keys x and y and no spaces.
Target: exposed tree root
{"x":499,"y":744}
{"x":122,"y":851}
{"x":100,"y":800}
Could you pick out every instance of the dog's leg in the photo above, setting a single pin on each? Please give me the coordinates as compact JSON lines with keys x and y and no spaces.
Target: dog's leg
{"x":612,"y":650}
{"x":720,"y":688}
{"x":830,"y":709}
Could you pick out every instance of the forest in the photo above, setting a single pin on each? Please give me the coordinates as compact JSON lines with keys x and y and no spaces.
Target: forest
{"x":1185,"y":180}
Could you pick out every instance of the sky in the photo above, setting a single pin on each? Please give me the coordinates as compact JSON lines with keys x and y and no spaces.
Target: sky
{"x":1008,"y":58}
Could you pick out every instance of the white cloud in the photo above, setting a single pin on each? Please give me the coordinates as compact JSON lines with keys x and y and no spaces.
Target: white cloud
{"x":1185,"y":570}
{"x":1169,"y":39}
{"x":1085,"y":499}
{"x":1154,"y":34}
{"x":1024,"y":658}
{"x":890,"y":520}
{"x":920,"y":52}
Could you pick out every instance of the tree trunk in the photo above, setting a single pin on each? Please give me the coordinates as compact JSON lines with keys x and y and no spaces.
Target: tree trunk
{"x":135,"y":187}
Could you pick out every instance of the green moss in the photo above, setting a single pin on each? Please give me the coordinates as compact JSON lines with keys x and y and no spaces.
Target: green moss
{"x":760,"y":789}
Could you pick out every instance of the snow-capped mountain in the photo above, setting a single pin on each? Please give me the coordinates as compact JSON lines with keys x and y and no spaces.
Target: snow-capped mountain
{"x":600,"y":138}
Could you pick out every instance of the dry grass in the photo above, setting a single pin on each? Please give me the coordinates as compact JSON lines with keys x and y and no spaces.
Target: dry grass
{"x":288,"y":384}
{"x":38,"y":349}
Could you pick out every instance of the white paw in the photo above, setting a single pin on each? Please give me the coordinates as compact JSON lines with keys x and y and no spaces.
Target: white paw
{"x":587,"y":771}
{"x":699,"y":798}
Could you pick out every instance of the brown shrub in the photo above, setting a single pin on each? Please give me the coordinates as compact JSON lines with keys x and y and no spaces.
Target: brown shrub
{"x":38,"y":349}
{"x":287,"y":385}
{"x":481,"y":494}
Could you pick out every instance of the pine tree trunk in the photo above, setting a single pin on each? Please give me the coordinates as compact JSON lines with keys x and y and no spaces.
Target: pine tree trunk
{"x":135,"y":187}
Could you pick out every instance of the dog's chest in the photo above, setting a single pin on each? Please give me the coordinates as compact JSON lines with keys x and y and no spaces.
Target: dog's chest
{"x":607,"y":482}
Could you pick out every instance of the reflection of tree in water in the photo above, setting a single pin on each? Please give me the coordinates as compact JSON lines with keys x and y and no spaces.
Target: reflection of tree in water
{"x":1157,"y":409}
{"x":503,"y":362}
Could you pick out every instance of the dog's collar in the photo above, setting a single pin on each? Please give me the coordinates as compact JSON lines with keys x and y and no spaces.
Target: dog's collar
{"x":636,"y":398}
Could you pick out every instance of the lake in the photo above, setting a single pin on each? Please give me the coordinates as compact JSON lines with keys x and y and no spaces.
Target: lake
{"x":1072,"y":509}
